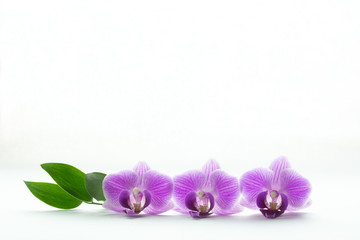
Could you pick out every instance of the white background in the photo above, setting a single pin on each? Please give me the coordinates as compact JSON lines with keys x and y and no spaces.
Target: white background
{"x":104,"y":84}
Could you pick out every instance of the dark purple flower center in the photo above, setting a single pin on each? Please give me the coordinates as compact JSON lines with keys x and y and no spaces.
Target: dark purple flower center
{"x":271,"y":203}
{"x":136,"y":201}
{"x":199,"y":203}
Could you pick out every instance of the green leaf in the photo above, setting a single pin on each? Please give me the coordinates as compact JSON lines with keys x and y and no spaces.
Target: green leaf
{"x":93,"y":184}
{"x":52,"y":195}
{"x":68,"y":178}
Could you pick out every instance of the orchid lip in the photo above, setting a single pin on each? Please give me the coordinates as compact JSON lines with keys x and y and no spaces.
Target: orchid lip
{"x":196,"y":214}
{"x":200,"y":203}
{"x":272,"y":204}
{"x":273,"y":200}
{"x":134,"y":202}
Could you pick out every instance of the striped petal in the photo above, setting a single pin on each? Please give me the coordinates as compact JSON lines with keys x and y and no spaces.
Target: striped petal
{"x":141,"y":168}
{"x":209,"y":167}
{"x":296,"y":188}
{"x":153,"y":211}
{"x":115,"y":183}
{"x":191,"y":181}
{"x":254,"y":182}
{"x":235,"y":209}
{"x":160,"y":187}
{"x":225,"y":188}
{"x":278,"y":165}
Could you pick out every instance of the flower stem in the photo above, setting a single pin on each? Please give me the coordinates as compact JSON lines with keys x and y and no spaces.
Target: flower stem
{"x":95,"y":203}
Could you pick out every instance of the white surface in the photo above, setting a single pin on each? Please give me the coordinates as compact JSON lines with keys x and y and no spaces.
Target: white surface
{"x":104,"y":84}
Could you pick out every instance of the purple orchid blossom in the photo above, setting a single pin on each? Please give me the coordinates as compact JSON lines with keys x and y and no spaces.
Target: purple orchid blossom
{"x":275,"y":189}
{"x":199,"y":193}
{"x":137,"y":190}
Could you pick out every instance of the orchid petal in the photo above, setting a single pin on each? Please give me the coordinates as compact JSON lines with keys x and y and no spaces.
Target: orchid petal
{"x":295,"y":187}
{"x":159,"y":186}
{"x":119,"y":209}
{"x":153,"y":211}
{"x":208,"y":168}
{"x":181,"y":210}
{"x":307,"y":204}
{"x":115,"y":183}
{"x":225,"y":188}
{"x":247,"y":204}
{"x":191,"y":181}
{"x":141,"y":168}
{"x":235,"y":209}
{"x":254,"y":182}
{"x":278,"y":165}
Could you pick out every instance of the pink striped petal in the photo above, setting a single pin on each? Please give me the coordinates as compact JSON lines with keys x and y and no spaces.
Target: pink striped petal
{"x":191,"y":181}
{"x":180,"y":210}
{"x":160,"y":187}
{"x":141,"y":168}
{"x":296,"y":188}
{"x":119,"y":209}
{"x":115,"y":183}
{"x":208,"y":168}
{"x":153,"y":211}
{"x":245,"y":203}
{"x":254,"y":182}
{"x":307,"y":204}
{"x":235,"y":209}
{"x":226,"y":189}
{"x":278,"y":165}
